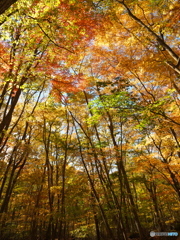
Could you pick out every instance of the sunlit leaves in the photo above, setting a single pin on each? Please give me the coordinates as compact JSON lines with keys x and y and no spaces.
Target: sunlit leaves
{"x":98,"y":114}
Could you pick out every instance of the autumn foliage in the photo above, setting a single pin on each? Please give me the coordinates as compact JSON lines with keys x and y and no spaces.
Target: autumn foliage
{"x":90,"y":119}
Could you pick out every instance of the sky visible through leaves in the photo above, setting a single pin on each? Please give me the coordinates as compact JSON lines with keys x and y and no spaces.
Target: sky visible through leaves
{"x":89,"y":119}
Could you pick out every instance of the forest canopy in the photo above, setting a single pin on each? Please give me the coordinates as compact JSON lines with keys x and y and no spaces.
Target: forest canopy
{"x":89,"y":119}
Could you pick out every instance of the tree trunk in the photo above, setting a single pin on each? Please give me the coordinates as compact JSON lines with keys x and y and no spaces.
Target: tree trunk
{"x":5,"y":4}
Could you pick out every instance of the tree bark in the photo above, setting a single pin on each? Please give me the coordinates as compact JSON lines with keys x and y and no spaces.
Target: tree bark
{"x":5,"y":4}
{"x":96,"y":196}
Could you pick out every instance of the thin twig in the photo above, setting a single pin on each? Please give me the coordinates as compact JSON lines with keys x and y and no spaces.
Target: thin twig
{"x":53,"y":41}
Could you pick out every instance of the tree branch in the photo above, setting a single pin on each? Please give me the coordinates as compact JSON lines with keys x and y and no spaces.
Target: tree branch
{"x":53,"y":41}
{"x":158,"y":38}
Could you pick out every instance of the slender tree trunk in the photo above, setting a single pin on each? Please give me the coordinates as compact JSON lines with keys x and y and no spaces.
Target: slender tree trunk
{"x":13,"y":179}
{"x":62,"y":220}
{"x":122,"y":173}
{"x":151,"y":187}
{"x":120,"y":222}
{"x":109,"y":231}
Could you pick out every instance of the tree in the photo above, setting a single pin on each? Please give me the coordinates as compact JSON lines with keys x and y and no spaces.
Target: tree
{"x":89,"y":131}
{"x":5,"y":4}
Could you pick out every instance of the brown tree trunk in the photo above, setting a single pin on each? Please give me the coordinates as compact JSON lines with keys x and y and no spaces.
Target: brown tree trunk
{"x":62,"y":220}
{"x":109,"y":231}
{"x":5,"y":4}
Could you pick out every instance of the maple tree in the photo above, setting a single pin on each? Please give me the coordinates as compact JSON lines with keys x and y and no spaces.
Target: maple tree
{"x":89,"y":129}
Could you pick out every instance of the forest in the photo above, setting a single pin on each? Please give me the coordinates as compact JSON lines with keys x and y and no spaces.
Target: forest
{"x":89,"y":119}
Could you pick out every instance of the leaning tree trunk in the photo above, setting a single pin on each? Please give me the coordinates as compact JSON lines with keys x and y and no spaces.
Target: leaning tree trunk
{"x":5,"y":4}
